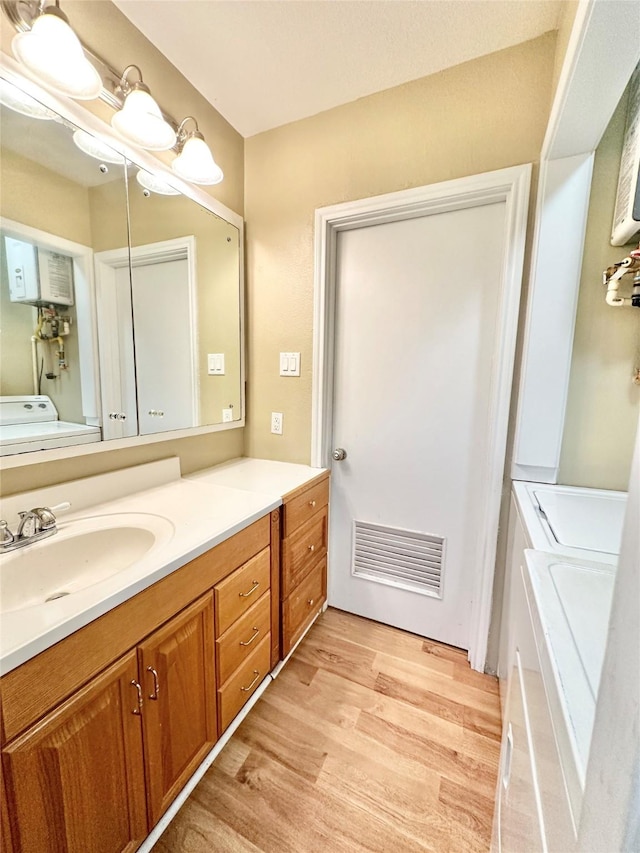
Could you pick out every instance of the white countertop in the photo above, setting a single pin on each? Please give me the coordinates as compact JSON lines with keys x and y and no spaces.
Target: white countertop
{"x":258,"y":475}
{"x":204,"y":509}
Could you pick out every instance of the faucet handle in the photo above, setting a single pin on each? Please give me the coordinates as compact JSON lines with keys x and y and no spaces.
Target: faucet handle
{"x":45,"y":517}
{"x":6,"y":535}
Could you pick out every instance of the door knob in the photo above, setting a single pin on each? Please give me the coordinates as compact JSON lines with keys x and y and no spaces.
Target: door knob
{"x":339,"y":454}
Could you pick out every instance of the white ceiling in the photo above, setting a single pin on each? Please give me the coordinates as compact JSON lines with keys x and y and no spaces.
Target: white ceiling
{"x":263,"y":63}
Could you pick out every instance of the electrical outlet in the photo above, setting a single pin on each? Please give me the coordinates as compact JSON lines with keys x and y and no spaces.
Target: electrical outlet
{"x":276,"y":423}
{"x":227,"y":415}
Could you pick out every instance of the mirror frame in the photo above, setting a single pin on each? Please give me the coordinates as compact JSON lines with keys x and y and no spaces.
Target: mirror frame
{"x":74,"y":112}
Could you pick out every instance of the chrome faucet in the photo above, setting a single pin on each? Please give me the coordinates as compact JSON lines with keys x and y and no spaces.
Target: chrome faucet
{"x":34,"y":525}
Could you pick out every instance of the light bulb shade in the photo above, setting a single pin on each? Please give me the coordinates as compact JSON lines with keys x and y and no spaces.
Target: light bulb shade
{"x":18,"y":101}
{"x":154,"y":184}
{"x":140,"y":121}
{"x":97,"y":148}
{"x":53,"y":51}
{"x":195,"y":163}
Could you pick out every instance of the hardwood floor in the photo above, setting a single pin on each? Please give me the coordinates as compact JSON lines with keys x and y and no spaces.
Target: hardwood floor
{"x":370,"y":739}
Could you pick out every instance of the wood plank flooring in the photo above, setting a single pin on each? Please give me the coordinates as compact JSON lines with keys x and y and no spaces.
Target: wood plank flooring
{"x":370,"y":739}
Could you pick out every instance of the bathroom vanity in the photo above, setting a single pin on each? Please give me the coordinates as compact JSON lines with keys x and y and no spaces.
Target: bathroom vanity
{"x":114,"y":695}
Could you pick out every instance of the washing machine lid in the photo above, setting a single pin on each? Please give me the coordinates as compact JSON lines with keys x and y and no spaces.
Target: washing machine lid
{"x":589,"y":521}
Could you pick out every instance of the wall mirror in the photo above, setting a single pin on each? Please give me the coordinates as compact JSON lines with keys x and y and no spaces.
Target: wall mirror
{"x":146,"y":334}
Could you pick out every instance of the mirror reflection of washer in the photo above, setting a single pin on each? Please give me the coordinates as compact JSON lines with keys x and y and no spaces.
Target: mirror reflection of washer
{"x":31,"y":423}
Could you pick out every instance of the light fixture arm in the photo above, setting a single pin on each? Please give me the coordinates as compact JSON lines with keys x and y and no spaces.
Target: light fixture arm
{"x":183,"y":135}
{"x":124,"y":86}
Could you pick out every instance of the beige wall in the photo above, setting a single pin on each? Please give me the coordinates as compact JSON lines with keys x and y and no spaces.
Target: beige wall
{"x":105,"y":29}
{"x":565,"y":25}
{"x":603,"y":403}
{"x":217,"y":263}
{"x":486,"y":114}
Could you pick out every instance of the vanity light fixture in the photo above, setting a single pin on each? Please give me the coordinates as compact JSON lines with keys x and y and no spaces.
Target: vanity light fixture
{"x":195,"y":162}
{"x":53,"y":51}
{"x":95,"y":147}
{"x":154,"y":184}
{"x":140,"y":120}
{"x":18,"y":101}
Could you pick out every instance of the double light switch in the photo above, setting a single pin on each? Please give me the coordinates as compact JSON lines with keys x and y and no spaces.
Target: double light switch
{"x":289,"y":364}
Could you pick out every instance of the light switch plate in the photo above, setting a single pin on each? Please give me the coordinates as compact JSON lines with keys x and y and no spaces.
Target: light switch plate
{"x":289,"y":364}
{"x":215,"y":364}
{"x":276,"y":423}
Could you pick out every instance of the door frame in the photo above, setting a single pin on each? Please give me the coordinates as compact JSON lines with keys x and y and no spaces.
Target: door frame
{"x":510,"y":186}
{"x":106,"y":264}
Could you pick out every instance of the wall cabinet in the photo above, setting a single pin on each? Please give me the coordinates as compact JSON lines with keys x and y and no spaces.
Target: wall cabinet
{"x":99,"y":733}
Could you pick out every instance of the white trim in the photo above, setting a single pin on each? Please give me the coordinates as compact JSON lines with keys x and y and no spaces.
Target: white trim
{"x":510,"y":186}
{"x":41,"y":457}
{"x":85,"y":306}
{"x":179,"y":248}
{"x":590,"y":86}
{"x":603,"y":50}
{"x":556,"y":266}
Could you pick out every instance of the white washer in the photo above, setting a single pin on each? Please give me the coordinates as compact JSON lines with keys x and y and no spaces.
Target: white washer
{"x":31,"y":423}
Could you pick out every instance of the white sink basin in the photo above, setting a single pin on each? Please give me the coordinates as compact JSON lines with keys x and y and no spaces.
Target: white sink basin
{"x":82,"y":553}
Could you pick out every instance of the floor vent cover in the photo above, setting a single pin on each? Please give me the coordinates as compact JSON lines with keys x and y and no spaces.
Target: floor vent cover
{"x":403,"y":558}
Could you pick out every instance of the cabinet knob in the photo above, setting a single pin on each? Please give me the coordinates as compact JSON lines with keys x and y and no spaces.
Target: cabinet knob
{"x":310,"y":602}
{"x":312,"y":548}
{"x":312,"y":504}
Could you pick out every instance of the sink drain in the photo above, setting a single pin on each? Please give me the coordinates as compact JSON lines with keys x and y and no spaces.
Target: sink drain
{"x":56,"y":595}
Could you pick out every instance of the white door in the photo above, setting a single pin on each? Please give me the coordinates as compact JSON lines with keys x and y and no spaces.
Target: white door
{"x":417,"y":321}
{"x":163,"y":334}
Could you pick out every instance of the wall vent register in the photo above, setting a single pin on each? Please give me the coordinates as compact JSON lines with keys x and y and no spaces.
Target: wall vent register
{"x":403,"y":558}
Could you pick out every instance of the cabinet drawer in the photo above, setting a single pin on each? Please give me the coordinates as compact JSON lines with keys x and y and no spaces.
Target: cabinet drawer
{"x":302,"y":550}
{"x":237,"y":593}
{"x":243,"y":683}
{"x":300,"y":509}
{"x":239,"y":641}
{"x":302,"y":605}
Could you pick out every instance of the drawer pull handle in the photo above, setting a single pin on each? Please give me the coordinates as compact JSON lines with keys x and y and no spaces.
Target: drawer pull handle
{"x":255,"y":586}
{"x":312,"y":548}
{"x":156,"y":686}
{"x":257,"y":676}
{"x":310,"y":602}
{"x":248,"y":643}
{"x":312,"y":504}
{"x":137,"y":711}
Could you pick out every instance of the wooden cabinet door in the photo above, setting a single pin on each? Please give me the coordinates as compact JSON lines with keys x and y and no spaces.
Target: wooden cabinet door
{"x":179,"y":718}
{"x":75,"y":780}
